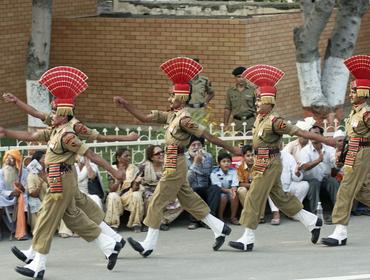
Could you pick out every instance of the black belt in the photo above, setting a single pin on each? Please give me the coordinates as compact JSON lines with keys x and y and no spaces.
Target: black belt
{"x":196,"y":105}
{"x":364,"y":144}
{"x":63,"y":168}
{"x":243,"y":118}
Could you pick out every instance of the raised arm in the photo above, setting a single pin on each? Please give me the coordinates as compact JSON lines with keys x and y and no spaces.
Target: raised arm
{"x":95,"y":158}
{"x":123,"y":103}
{"x":10,"y":98}
{"x":110,"y":138}
{"x":315,"y":137}
{"x":20,"y":135}
{"x":217,"y":141}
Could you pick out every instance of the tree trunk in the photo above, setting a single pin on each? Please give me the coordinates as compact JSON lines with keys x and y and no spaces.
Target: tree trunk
{"x":306,"y":39}
{"x":341,"y":46}
{"x":38,"y":57}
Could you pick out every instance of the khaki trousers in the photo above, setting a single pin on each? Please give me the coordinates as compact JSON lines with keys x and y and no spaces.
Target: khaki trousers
{"x":264,"y":185}
{"x":353,"y":186}
{"x":171,"y":186}
{"x":52,"y":211}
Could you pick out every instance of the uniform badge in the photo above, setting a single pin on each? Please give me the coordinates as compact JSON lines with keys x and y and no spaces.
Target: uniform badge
{"x":355,"y":123}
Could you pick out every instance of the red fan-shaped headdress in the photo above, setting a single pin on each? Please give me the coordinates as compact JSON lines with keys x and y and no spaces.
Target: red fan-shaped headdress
{"x":181,"y":70}
{"x":359,"y":66}
{"x":65,"y":84}
{"x":265,"y":77}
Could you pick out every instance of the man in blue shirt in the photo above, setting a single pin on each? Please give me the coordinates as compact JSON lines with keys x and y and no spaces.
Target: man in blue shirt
{"x":199,"y":169}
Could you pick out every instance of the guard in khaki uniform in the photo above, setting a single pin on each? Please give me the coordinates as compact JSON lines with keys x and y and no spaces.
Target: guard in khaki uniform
{"x":356,"y":165}
{"x":173,"y":184}
{"x":201,"y":94}
{"x":65,"y":83}
{"x":267,"y":136}
{"x":83,"y":201}
{"x":240,"y":102}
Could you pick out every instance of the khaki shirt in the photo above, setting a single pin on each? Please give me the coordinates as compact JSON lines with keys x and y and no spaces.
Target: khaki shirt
{"x":269,"y":129}
{"x":63,"y":144}
{"x":36,"y":183}
{"x":80,"y":129}
{"x":177,"y":134}
{"x":200,"y":87}
{"x":241,"y":103}
{"x":358,"y":123}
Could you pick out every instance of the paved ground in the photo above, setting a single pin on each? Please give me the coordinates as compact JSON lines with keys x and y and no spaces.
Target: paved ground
{"x":281,"y":252}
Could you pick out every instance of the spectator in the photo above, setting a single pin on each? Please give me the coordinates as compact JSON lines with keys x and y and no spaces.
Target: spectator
{"x":317,"y":161}
{"x":245,"y":177}
{"x":86,"y":172}
{"x":36,"y":185}
{"x":150,"y":173}
{"x":124,"y":195}
{"x":199,"y":169}
{"x":13,"y":180}
{"x":226,"y":179}
{"x":240,"y":102}
{"x":294,"y":147}
{"x":291,"y":181}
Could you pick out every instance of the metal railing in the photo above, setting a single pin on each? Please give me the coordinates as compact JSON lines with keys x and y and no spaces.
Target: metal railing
{"x":155,"y":136}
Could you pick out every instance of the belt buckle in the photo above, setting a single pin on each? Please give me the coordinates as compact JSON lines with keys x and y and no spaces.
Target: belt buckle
{"x":196,"y":105}
{"x":243,"y":118}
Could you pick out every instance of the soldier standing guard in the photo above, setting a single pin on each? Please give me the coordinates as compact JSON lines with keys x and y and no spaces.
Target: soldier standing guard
{"x":65,"y":83}
{"x":267,"y":136}
{"x":201,"y":94}
{"x":240,"y":102}
{"x":174,"y":184}
{"x":356,"y":164}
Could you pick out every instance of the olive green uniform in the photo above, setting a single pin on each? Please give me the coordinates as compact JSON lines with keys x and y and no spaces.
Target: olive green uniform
{"x":63,"y":145}
{"x":200,"y":88}
{"x":267,"y":137}
{"x":174,"y":184}
{"x":83,"y":201}
{"x":354,"y":184}
{"x":242,"y":106}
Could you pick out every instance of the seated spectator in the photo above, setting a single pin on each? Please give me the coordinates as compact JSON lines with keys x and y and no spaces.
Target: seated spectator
{"x":199,"y":169}
{"x":13,"y":180}
{"x":244,"y":172}
{"x":294,"y":147}
{"x":337,"y":172}
{"x":86,"y":172}
{"x":36,"y":185}
{"x":124,"y":195}
{"x":317,"y":161}
{"x":150,"y":173}
{"x":291,"y":181}
{"x":226,"y":179}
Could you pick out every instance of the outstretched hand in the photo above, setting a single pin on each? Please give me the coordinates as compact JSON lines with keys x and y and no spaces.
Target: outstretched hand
{"x":237,"y":151}
{"x":120,"y":101}
{"x":132,"y":136}
{"x":9,"y":97}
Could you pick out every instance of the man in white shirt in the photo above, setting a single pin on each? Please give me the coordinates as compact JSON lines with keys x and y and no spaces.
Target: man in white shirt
{"x":317,"y":161}
{"x":291,"y":181}
{"x":294,"y":147}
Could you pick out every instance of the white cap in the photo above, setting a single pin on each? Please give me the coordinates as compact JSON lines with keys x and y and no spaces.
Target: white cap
{"x":339,"y":133}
